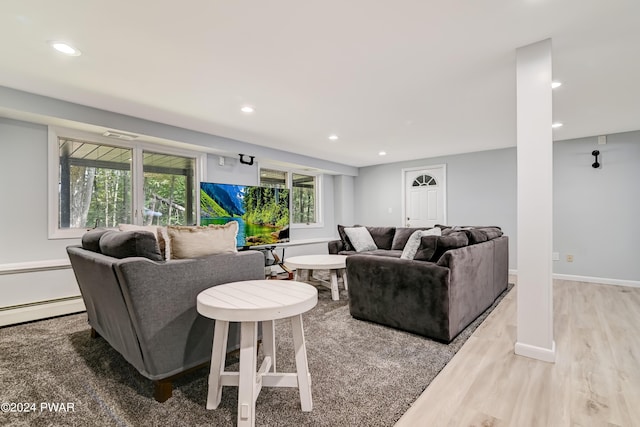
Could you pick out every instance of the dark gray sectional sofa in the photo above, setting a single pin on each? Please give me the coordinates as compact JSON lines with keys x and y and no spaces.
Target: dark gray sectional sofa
{"x":145,"y":308}
{"x":451,"y":281}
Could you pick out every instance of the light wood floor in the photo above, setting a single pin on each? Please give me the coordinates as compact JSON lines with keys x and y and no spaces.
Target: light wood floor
{"x":594,"y":382}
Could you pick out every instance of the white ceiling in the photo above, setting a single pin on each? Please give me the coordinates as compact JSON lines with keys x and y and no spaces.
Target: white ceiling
{"x":415,"y":78}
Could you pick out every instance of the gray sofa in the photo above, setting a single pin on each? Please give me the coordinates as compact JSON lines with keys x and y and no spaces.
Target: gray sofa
{"x":451,"y":281}
{"x":146,"y":307}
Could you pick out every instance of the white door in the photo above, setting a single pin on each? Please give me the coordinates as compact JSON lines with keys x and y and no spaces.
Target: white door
{"x":424,"y":196}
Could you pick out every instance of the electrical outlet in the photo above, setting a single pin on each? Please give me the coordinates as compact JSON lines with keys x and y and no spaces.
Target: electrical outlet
{"x":569,"y":258}
{"x":555,"y":256}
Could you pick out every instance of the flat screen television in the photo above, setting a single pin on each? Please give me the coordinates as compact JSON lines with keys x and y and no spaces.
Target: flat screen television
{"x":262,"y":213}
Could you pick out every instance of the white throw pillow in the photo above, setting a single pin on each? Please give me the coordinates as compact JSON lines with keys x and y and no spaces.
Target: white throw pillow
{"x":197,"y":241}
{"x":413,"y":243}
{"x":360,"y":239}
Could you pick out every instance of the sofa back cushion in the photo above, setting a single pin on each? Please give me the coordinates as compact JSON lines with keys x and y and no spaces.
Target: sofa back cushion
{"x":124,"y":244}
{"x":91,"y":239}
{"x":455,"y":240}
{"x":402,"y":235}
{"x":383,"y":236}
{"x":199,"y":241}
{"x":160,"y":232}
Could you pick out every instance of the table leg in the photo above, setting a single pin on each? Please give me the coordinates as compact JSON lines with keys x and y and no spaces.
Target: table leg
{"x":247,"y":381}
{"x":302,"y":368}
{"x":218,"y":355}
{"x":335,"y":293}
{"x":269,"y":342}
{"x":343,"y":272}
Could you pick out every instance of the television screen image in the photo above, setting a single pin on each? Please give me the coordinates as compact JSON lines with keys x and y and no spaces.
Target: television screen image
{"x":262,"y":213}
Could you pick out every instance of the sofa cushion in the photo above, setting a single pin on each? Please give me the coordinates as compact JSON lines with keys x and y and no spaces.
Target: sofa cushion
{"x":427,"y":248}
{"x":159,"y":232}
{"x":454,"y":240}
{"x":124,"y":244}
{"x":413,"y":243}
{"x":402,"y":236}
{"x":199,"y":241}
{"x":382,"y":236}
{"x":360,"y":239}
{"x":91,"y":239}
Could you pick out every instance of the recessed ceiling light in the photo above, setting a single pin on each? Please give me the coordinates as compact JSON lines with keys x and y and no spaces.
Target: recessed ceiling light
{"x":333,"y":137}
{"x":557,"y":125}
{"x":555,"y":84}
{"x":382,"y":153}
{"x":65,"y":48}
{"x":247,"y":109}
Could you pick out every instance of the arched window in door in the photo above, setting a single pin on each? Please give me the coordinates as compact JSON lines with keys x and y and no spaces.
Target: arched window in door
{"x":424,"y":180}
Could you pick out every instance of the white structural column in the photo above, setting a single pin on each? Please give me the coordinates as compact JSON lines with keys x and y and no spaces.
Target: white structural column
{"x":535,"y":202}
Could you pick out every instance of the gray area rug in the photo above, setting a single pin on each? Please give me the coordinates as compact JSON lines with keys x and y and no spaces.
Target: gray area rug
{"x":363,"y":374}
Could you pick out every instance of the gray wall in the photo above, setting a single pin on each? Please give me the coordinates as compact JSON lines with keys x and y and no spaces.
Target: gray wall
{"x":597,"y":211}
{"x":23,"y":195}
{"x":481,"y":191}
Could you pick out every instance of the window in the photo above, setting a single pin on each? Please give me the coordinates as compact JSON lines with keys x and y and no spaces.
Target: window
{"x":305,"y":201}
{"x":98,"y":183}
{"x":424,"y":180}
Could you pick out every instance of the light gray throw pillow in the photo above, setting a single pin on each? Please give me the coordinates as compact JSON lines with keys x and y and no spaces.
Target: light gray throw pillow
{"x":360,"y":239}
{"x":413,"y":243}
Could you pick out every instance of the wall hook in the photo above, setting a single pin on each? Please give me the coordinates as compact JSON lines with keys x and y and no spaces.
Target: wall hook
{"x":595,"y":154}
{"x":246,"y":162}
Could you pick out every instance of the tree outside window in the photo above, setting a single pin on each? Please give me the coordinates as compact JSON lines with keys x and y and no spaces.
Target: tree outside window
{"x":304,"y":198}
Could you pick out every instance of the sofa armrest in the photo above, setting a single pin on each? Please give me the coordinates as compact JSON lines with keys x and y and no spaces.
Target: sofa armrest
{"x":161,"y":300}
{"x":405,"y":294}
{"x":335,"y":246}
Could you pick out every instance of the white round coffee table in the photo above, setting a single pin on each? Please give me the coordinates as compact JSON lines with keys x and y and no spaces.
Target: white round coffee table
{"x":250,"y":302}
{"x":334,"y":263}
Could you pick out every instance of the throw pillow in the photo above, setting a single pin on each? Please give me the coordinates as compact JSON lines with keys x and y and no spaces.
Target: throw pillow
{"x":124,"y":244}
{"x":413,"y":243}
{"x":91,"y":239}
{"x":199,"y":241}
{"x":159,"y":232}
{"x":361,"y":239}
{"x":427,"y":248}
{"x":382,"y":236}
{"x":346,"y":243}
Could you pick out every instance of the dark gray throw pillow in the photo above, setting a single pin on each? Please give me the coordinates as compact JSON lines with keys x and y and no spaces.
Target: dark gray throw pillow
{"x":123,"y":244}
{"x":91,"y":239}
{"x":427,"y":248}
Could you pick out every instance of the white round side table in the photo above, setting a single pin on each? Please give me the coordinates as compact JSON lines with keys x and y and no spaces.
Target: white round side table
{"x":334,"y":263}
{"x":250,"y":302}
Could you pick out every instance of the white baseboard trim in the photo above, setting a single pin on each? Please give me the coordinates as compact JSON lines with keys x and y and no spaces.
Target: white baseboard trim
{"x":588,"y":279}
{"x":535,"y":352}
{"x":41,"y":310}
{"x":31,"y":266}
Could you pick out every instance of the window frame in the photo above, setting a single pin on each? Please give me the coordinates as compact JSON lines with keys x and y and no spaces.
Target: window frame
{"x":137,"y":175}
{"x":318,"y":180}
